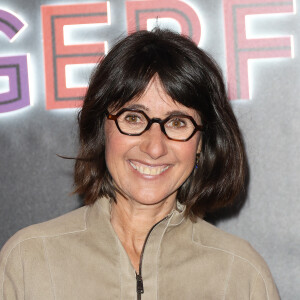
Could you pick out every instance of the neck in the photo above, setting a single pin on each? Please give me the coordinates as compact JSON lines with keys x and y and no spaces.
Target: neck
{"x":132,"y":221}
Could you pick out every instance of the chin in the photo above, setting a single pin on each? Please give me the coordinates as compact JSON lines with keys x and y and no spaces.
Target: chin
{"x":152,"y":200}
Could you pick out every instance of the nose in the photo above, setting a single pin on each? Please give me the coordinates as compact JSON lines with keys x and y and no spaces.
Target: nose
{"x":154,"y":142}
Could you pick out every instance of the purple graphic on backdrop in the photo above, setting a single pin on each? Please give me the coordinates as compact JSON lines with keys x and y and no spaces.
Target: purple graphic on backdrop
{"x":10,"y":24}
{"x":14,"y":67}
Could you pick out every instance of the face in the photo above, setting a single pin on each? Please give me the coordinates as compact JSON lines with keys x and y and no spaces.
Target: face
{"x":150,"y":168}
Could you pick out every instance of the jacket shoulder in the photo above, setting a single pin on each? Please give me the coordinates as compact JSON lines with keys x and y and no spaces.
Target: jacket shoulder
{"x":11,"y":265}
{"x":243,"y":256}
{"x":211,"y":237}
{"x":74,"y":221}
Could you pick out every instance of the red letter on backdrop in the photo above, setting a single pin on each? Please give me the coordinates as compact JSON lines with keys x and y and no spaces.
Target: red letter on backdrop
{"x":57,"y":55}
{"x":138,"y":12}
{"x":240,"y":49}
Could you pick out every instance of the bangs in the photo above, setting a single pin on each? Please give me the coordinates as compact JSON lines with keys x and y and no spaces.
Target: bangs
{"x":131,"y":72}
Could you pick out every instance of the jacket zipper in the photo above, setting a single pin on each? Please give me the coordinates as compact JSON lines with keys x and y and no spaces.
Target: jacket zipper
{"x":139,"y":278}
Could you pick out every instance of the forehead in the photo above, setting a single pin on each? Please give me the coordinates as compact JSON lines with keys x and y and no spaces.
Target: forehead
{"x":156,"y":102}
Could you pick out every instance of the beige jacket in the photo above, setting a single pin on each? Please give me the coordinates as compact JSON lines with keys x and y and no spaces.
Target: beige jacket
{"x":79,"y":256}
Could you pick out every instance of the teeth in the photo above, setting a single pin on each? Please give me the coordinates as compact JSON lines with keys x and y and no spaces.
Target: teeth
{"x":134,"y":166}
{"x":153,"y":171}
{"x":149,"y":170}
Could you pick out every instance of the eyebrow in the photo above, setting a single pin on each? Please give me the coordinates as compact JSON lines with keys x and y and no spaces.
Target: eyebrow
{"x":168,"y":113}
{"x":138,"y":106}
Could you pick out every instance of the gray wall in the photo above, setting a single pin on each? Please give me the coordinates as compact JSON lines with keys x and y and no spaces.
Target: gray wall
{"x":36,"y":184}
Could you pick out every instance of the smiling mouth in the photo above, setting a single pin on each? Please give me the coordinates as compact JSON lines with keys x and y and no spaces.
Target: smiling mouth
{"x":148,"y":170}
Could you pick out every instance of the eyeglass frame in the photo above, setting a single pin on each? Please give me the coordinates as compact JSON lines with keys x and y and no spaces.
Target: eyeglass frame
{"x":154,"y":120}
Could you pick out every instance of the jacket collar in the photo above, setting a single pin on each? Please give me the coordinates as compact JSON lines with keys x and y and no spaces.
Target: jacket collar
{"x":101,"y":209}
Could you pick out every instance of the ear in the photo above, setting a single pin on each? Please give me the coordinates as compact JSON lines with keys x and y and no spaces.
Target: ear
{"x":199,"y":146}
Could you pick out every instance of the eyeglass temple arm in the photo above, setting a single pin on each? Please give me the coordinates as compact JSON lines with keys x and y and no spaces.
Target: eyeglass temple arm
{"x":200,"y":127}
{"x":110,"y":116}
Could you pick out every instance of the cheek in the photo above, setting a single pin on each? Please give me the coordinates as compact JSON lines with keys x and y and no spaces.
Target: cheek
{"x":112,"y":144}
{"x":110,"y":151}
{"x":116,"y":146}
{"x":186,"y":154}
{"x":190,"y":148}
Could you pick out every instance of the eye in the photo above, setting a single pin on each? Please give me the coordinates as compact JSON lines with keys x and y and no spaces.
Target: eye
{"x":177,"y":123}
{"x":132,"y":118}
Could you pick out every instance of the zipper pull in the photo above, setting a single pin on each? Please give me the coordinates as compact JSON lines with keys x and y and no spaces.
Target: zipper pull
{"x":139,"y":284}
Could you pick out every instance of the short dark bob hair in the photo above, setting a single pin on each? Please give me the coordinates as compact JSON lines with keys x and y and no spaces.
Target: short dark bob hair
{"x":190,"y":77}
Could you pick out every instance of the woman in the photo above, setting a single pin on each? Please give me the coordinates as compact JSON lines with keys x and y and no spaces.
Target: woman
{"x":159,"y":148}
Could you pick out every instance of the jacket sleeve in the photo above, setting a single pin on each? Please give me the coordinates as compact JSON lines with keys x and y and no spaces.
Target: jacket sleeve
{"x":11,"y":273}
{"x":264,"y":288}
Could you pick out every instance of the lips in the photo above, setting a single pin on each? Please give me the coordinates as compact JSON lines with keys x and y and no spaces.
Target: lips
{"x":148,"y":169}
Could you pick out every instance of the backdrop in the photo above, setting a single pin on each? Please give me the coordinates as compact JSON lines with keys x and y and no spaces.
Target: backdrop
{"x":47,"y":51}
